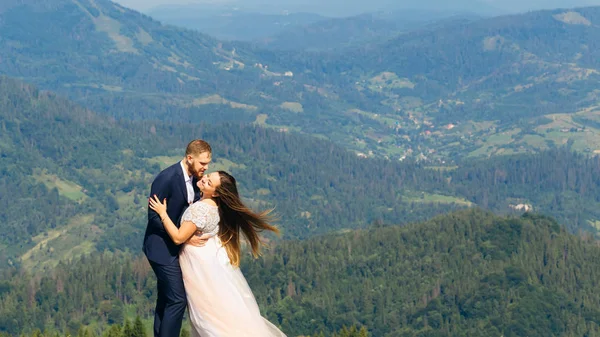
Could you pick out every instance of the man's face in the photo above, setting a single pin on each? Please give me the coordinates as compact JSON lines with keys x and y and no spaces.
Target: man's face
{"x":199,"y":163}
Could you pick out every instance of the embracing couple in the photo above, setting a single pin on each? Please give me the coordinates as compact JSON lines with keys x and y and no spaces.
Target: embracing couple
{"x":193,"y":246}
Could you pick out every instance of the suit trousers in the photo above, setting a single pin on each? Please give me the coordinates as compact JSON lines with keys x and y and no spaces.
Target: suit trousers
{"x":171,"y":300}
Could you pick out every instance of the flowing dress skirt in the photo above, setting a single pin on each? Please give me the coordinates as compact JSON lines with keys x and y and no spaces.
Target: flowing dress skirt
{"x":220,"y":302}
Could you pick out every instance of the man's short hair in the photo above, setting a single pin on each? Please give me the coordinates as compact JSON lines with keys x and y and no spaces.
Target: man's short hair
{"x":197,"y":147}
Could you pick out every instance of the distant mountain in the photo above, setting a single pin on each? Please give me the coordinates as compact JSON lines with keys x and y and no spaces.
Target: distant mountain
{"x":356,"y":31}
{"x":502,"y":85}
{"x":124,"y":64}
{"x":341,"y":8}
{"x":298,"y":30}
{"x":443,"y":92}
{"x":99,"y":52}
{"x":514,"y":6}
{"x":231,"y":24}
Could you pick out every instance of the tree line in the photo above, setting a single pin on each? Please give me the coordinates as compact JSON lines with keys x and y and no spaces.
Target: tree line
{"x":466,"y":273}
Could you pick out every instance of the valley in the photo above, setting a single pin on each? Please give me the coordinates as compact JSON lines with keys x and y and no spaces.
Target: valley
{"x":433,"y":173}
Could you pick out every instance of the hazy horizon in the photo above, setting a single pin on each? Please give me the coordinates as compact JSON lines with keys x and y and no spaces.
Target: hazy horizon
{"x":336,"y":7}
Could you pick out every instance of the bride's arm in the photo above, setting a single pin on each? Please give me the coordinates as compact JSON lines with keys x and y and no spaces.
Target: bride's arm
{"x":178,"y":235}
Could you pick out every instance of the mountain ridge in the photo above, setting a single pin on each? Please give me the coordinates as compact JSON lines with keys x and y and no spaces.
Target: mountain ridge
{"x":495,"y":86}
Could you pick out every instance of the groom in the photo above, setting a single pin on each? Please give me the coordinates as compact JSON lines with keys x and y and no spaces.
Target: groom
{"x":177,"y":184}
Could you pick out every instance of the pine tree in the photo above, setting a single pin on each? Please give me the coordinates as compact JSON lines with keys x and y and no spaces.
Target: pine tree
{"x":138,"y":328}
{"x":114,"y":331}
{"x":127,"y":329}
{"x":82,"y":332}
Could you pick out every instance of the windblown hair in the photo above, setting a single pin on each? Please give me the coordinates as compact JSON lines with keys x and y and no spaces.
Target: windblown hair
{"x":196,"y":147}
{"x":237,"y":217}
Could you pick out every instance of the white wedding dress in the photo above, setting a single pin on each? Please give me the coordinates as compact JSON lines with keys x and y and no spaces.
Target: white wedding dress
{"x":220,"y":302}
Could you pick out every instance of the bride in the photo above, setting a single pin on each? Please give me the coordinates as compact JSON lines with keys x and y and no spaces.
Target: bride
{"x":220,"y":302}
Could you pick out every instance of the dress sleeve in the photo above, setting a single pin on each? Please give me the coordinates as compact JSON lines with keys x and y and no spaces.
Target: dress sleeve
{"x":198,"y":214}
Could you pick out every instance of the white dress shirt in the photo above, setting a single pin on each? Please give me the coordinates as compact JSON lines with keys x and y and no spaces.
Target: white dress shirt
{"x":188,"y":184}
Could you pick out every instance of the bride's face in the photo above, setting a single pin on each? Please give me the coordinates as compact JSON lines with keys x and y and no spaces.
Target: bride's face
{"x":209,"y":183}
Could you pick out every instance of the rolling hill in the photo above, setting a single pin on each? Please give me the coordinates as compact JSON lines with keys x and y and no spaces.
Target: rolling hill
{"x":465,"y":273}
{"x":511,"y":84}
{"x":494,"y":86}
{"x":75,"y":182}
{"x":124,"y":64}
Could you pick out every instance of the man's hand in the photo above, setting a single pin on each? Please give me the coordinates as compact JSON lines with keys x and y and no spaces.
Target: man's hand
{"x":197,"y":240}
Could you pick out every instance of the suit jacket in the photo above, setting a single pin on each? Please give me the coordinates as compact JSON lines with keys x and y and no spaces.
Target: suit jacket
{"x":169,"y":184}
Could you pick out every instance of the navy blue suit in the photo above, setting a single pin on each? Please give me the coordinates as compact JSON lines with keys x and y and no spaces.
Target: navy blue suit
{"x":163,"y":254}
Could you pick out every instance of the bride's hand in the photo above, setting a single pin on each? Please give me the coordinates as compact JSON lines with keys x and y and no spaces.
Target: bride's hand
{"x":157,"y":206}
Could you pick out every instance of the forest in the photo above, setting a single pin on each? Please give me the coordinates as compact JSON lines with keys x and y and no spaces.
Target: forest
{"x":78,"y":185}
{"x":443,"y":182}
{"x":466,"y":273}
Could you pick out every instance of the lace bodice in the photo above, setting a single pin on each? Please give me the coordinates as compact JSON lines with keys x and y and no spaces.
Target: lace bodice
{"x":204,"y":216}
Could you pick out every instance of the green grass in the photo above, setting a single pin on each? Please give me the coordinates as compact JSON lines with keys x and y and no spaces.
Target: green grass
{"x":472,"y":126}
{"x":292,"y":106}
{"x":217,"y":164}
{"x":261,"y":119}
{"x":225,"y":165}
{"x":216,"y":99}
{"x":500,"y":138}
{"x":422,"y":197}
{"x":581,"y":140}
{"x":494,"y":142}
{"x":536,"y":141}
{"x":263,"y":191}
{"x":595,"y":224}
{"x":482,"y":151}
{"x":382,"y":119}
{"x":389,"y":80}
{"x":125,"y":199}
{"x":284,"y":128}
{"x":71,"y":240}
{"x":442,"y":168}
{"x":164,"y":161}
{"x":65,"y":188}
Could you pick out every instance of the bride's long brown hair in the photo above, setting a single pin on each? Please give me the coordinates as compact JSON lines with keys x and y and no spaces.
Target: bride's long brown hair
{"x":236,"y":217}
